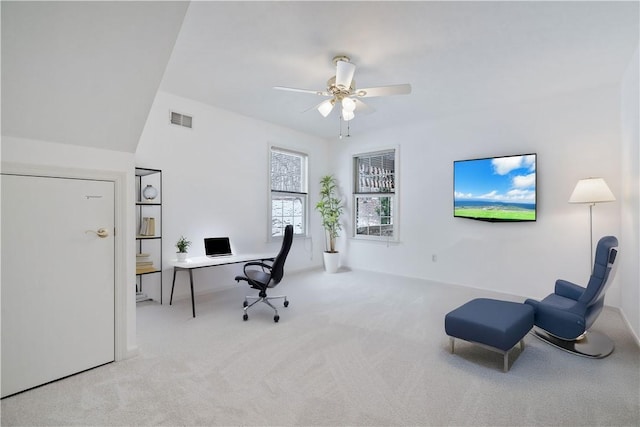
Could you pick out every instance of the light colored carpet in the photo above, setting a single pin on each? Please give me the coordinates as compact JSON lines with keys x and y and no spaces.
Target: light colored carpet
{"x":353,"y":348}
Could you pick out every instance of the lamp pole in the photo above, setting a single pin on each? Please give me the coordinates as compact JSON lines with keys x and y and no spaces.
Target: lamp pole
{"x":591,"y":205}
{"x":591,"y":191}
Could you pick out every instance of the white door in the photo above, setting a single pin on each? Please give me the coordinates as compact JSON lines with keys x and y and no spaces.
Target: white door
{"x":57,"y":278}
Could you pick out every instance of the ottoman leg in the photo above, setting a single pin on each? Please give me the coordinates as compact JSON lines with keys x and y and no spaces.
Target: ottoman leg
{"x":476,"y":322}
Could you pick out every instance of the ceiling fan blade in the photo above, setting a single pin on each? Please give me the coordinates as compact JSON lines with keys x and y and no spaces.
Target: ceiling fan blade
{"x":344,"y":74}
{"x":384,"y":91}
{"x":293,"y":89}
{"x":363,"y":108}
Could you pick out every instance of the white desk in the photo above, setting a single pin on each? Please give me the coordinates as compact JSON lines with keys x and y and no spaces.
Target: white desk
{"x":204,"y":261}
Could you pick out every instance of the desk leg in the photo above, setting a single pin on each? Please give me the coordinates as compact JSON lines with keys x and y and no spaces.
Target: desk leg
{"x":193,"y":303}
{"x":173,"y":284}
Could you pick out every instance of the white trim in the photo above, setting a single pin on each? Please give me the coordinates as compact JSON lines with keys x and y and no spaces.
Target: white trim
{"x":626,"y":322}
{"x":119,"y":179}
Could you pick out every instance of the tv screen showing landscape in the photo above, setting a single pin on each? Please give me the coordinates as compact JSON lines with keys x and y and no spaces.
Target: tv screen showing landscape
{"x":495,"y":188}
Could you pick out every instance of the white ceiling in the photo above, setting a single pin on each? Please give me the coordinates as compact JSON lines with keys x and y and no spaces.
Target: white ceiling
{"x":86,"y":72}
{"x":458,"y":56}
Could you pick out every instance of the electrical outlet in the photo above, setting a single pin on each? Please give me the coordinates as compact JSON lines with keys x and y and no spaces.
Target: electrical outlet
{"x":434,"y":258}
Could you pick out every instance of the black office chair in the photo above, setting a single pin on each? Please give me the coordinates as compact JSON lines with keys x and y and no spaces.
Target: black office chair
{"x":267,"y":276}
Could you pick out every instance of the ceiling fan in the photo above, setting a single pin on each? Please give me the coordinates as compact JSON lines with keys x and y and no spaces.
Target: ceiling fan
{"x":341,"y":89}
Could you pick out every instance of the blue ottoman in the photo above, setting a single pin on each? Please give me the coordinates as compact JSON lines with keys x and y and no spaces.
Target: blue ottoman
{"x":497,"y":325}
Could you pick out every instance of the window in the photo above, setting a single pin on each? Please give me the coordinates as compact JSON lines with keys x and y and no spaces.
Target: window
{"x":288,"y":181}
{"x":375,"y":195}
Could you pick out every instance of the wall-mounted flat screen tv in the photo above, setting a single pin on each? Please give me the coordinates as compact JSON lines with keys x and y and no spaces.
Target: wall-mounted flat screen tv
{"x":497,"y":189}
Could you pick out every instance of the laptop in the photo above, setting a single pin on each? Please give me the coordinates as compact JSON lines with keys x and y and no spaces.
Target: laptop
{"x":217,"y":246}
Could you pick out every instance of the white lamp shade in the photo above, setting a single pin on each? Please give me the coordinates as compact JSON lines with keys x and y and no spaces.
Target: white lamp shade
{"x":591,"y":190}
{"x":347,"y":115}
{"x":348,"y":104}
{"x":325,"y":107}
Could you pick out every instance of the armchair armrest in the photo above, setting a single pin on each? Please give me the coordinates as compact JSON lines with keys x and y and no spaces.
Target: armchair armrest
{"x":561,"y":323}
{"x":257,"y":264}
{"x":257,"y":278}
{"x":569,"y":290}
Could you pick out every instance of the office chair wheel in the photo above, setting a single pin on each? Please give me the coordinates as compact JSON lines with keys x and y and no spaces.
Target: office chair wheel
{"x":286,"y":303}
{"x":245,"y":303}
{"x":276,"y":318}
{"x":245,"y":317}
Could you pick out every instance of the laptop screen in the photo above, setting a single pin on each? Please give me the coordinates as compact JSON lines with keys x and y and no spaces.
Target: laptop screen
{"x":217,"y":246}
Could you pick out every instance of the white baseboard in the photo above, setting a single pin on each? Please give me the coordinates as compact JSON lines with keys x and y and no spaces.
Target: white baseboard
{"x":132,"y":352}
{"x":626,"y":321}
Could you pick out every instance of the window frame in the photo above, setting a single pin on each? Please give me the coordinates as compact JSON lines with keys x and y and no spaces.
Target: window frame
{"x":304,"y":194}
{"x":358,"y":195}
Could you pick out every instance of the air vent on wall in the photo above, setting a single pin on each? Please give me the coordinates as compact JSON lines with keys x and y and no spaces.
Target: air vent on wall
{"x":181,"y":120}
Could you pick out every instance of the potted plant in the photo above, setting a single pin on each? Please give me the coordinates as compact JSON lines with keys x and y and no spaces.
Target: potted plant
{"x":330,"y":208}
{"x":182,"y":244}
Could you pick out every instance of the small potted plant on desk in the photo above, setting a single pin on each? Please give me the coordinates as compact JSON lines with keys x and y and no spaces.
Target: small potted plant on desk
{"x":182,"y":244}
{"x":330,"y":208}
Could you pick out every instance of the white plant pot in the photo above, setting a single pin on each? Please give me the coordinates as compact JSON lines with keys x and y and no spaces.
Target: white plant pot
{"x":182,"y":256}
{"x":331,"y":262}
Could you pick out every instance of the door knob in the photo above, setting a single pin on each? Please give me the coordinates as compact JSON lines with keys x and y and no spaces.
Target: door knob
{"x":102,"y":232}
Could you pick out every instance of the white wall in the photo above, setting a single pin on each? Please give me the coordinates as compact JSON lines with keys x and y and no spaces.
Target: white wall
{"x":215,"y":180}
{"x":629,"y":271}
{"x":215,"y":184}
{"x":575,"y":136}
{"x":70,"y":158}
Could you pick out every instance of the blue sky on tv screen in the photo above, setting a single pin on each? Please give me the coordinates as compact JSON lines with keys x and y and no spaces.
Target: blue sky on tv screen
{"x":502,"y":179}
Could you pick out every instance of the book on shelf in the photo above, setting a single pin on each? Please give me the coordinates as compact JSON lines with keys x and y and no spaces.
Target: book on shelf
{"x":140,"y":269}
{"x":147,"y":226}
{"x":143,"y":259}
{"x":144,"y":264}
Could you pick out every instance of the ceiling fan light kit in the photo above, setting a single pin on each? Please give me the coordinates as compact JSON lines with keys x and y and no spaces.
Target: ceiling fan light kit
{"x":348,"y":104}
{"x":342,"y":88}
{"x":325,"y":107}
{"x":347,"y":115}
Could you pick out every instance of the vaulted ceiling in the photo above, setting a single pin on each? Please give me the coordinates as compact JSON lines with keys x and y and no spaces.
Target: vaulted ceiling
{"x":87,"y":73}
{"x":84,"y":73}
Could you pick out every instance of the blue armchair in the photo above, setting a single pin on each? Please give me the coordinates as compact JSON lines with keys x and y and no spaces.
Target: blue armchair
{"x":563,"y":318}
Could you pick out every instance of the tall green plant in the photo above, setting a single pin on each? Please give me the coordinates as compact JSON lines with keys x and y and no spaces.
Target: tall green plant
{"x":330,"y":208}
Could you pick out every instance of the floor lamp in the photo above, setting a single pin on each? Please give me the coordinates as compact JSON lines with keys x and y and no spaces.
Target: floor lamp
{"x":591,"y":191}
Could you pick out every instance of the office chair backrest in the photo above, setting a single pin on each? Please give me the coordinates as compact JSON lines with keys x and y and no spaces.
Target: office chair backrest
{"x":601,"y":276}
{"x":277,"y":269}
